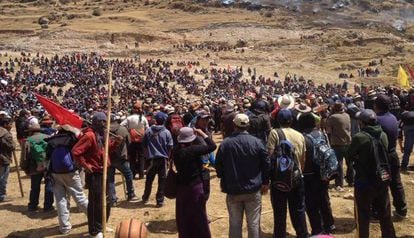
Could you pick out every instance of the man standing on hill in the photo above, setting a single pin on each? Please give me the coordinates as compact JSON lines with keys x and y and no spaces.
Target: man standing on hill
{"x":88,"y":152}
{"x":370,"y":186}
{"x":139,"y":122}
{"x":157,"y":143}
{"x":7,"y":147}
{"x":243,"y":165}
{"x":389,"y":125}
{"x":338,"y":128}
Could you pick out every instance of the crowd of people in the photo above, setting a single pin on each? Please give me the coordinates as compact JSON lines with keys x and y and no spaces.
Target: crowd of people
{"x":273,"y":131}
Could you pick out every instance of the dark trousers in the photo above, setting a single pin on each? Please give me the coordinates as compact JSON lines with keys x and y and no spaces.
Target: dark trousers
{"x":318,"y":205}
{"x":190,"y":211}
{"x":123,"y":167}
{"x":340,"y":155}
{"x":296,"y":201}
{"x":136,"y":159}
{"x":396,"y":186}
{"x":206,"y":182}
{"x":367,"y":193}
{"x":158,"y":167}
{"x":94,"y":183}
{"x":35,"y":183}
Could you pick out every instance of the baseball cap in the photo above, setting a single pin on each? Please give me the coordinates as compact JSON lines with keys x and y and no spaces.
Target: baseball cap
{"x":161,"y":117}
{"x":99,"y":116}
{"x":284,"y":115}
{"x":241,"y":120}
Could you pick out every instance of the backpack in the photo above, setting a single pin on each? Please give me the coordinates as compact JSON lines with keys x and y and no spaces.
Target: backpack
{"x":38,"y":149}
{"x":136,"y":135}
{"x":380,"y":154}
{"x":257,"y":126}
{"x":61,"y":160}
{"x":176,"y":124}
{"x":286,"y":172}
{"x":28,"y":163}
{"x":323,"y":155}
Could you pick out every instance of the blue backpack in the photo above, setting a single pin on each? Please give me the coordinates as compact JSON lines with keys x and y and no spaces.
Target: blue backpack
{"x":323,"y":155}
{"x":61,"y":160}
{"x":286,"y":174}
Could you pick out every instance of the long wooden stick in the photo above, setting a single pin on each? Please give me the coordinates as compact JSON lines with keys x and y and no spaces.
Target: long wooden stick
{"x":105,"y":162}
{"x":18,"y":174}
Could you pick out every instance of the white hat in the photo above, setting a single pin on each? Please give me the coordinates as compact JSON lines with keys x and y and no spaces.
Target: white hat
{"x":286,"y":101}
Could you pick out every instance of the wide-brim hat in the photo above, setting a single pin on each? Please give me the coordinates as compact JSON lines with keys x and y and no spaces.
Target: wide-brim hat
{"x":286,"y":101}
{"x":295,"y":95}
{"x":186,"y":135}
{"x":302,"y":107}
{"x":320,"y":108}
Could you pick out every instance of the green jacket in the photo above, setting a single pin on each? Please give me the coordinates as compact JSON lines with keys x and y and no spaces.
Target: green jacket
{"x":361,"y":156}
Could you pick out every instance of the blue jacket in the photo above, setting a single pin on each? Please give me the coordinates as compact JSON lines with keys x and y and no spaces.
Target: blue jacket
{"x":242,"y":163}
{"x":158,"y":141}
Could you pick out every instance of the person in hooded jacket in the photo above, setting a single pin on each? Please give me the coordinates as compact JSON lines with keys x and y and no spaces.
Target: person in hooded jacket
{"x":158,"y":144}
{"x":368,"y":188}
{"x":88,"y":153}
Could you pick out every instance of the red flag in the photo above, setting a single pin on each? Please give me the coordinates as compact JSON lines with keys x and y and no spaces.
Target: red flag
{"x":411,"y":72}
{"x":62,"y":115}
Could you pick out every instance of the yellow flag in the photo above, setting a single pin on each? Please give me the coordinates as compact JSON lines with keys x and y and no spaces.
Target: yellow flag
{"x":403,"y":78}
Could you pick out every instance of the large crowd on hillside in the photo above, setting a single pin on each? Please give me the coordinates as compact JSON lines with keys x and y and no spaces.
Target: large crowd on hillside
{"x":165,"y":114}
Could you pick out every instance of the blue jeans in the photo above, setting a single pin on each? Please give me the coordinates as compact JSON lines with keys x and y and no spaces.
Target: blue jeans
{"x":4,"y":175}
{"x":408,"y":147}
{"x":123,"y":167}
{"x":249,"y":204}
{"x":36,"y":181}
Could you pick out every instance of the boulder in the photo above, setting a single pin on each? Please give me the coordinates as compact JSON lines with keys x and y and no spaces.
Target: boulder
{"x":43,"y":21}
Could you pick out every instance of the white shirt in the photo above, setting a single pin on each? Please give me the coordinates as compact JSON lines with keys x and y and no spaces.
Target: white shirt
{"x":134,"y":121}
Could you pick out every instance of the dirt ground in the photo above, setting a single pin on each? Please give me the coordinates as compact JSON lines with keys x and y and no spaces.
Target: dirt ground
{"x":306,"y":40}
{"x":18,"y":222}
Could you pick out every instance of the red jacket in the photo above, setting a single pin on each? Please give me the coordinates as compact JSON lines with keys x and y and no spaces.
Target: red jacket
{"x":87,"y":153}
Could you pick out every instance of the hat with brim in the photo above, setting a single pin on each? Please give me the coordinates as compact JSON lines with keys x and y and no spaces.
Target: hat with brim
{"x":320,"y":108}
{"x":286,"y":101}
{"x":302,"y":107}
{"x":367,"y":116}
{"x":186,"y":135}
{"x":295,"y":95}
{"x":338,"y":106}
{"x":47,"y":120}
{"x":34,"y":127}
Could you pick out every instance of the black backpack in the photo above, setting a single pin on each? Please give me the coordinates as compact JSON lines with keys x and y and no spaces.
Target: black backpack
{"x":286,"y":174}
{"x":257,"y":126}
{"x":380,"y":153}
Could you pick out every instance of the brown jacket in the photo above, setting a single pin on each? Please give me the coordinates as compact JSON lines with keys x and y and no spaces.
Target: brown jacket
{"x":338,"y":127}
{"x":7,"y":146}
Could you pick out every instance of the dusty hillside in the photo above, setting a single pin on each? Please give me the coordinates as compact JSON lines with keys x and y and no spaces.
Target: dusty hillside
{"x":307,"y":38}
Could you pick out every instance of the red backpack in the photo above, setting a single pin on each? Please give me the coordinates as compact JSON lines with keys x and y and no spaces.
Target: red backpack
{"x":176,"y":124}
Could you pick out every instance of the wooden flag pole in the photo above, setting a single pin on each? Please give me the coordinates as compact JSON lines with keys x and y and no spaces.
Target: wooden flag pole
{"x":106,"y":153}
{"x":18,"y":174}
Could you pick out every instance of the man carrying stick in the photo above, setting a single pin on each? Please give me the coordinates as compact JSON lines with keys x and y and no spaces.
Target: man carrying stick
{"x":89,"y":153}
